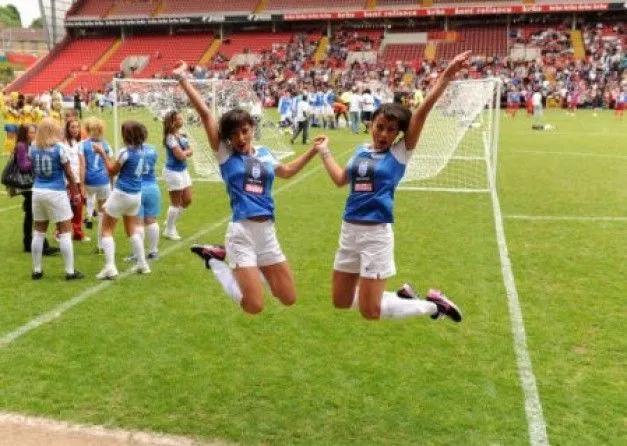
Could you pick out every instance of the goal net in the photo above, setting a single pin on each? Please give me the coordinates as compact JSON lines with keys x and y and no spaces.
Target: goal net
{"x":458,"y":145}
{"x":149,"y":100}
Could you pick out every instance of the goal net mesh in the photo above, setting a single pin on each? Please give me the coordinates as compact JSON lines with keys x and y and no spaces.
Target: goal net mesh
{"x":457,"y":147}
{"x":149,"y":100}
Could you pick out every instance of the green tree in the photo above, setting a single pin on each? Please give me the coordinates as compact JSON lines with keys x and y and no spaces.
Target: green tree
{"x":10,"y":16}
{"x":37,"y":23}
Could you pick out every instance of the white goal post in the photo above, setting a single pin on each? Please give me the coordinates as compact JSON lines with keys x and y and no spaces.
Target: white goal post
{"x":457,"y":150}
{"x":149,"y":100}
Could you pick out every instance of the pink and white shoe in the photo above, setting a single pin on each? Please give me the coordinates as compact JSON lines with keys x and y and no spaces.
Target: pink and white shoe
{"x":446,"y":307}
{"x":208,"y":252}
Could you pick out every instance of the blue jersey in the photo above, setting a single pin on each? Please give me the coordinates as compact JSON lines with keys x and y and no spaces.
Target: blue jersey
{"x":377,"y":101}
{"x":150,"y":162}
{"x":248,"y":181}
{"x":48,"y":167}
{"x":513,"y":97}
{"x":130,"y":176}
{"x":329,"y":97}
{"x":373,"y":178}
{"x":319,"y":99}
{"x":311,"y":98}
{"x":172,"y":163}
{"x":285,"y":105}
{"x":95,"y":169}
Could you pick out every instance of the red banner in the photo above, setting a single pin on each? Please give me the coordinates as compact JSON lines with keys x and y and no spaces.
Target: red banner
{"x":448,"y":11}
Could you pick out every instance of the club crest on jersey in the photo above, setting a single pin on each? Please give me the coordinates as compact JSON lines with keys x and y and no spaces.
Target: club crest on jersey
{"x":255,"y":177}
{"x":363,"y":175}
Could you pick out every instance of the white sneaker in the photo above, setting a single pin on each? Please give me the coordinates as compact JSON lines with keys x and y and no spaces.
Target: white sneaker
{"x":141,"y":269}
{"x":107,"y":273}
{"x":172,"y":236}
{"x":85,"y":239}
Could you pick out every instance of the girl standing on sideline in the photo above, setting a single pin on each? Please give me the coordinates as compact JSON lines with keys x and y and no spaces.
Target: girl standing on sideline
{"x":251,"y":242}
{"x":25,"y":137}
{"x":50,"y":201}
{"x":72,"y":139}
{"x":93,"y":170}
{"x":365,"y":258}
{"x":125,"y":199}
{"x":176,"y":176}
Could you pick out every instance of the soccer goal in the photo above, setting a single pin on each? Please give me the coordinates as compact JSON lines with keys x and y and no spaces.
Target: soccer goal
{"x":149,"y":100}
{"x":457,"y":151}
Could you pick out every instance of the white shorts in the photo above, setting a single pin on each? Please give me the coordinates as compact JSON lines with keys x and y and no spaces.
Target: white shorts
{"x":367,"y":250}
{"x":250,"y":243}
{"x":121,"y":204}
{"x":101,"y":192}
{"x":51,"y":205}
{"x":176,"y":180}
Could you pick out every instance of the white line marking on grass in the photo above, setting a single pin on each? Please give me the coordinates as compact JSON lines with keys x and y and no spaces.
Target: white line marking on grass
{"x":533,"y":406}
{"x":583,"y":154}
{"x":564,"y":218}
{"x":58,"y":311}
{"x":9,"y":208}
{"x":22,"y":429}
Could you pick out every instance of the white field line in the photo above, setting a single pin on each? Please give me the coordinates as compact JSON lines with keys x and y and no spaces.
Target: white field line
{"x":564,"y":218}
{"x":10,"y":208}
{"x":58,"y":433}
{"x":58,"y":311}
{"x":533,"y":407}
{"x":582,"y":154}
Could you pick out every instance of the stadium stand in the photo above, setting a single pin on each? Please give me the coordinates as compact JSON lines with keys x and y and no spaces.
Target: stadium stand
{"x":185,"y":7}
{"x":318,"y":5}
{"x":90,"y":9}
{"x":75,"y":56}
{"x":133,"y":8}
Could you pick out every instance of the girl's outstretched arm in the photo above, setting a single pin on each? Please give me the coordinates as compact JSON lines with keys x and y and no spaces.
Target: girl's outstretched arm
{"x":290,"y":169}
{"x":207,"y":118}
{"x":420,"y":116}
{"x":337,"y":174}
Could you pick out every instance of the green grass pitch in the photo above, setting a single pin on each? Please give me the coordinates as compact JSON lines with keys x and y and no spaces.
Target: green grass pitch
{"x":169,"y":352}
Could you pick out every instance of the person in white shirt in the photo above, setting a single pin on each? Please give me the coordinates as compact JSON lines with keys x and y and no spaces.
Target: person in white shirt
{"x":367,"y":108}
{"x":302,"y":119}
{"x":536,"y":101}
{"x":354,"y":110}
{"x":72,"y":141}
{"x":45,"y":100}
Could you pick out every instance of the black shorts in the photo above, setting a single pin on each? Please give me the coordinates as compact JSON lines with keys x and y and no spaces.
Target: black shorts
{"x":366,"y":116}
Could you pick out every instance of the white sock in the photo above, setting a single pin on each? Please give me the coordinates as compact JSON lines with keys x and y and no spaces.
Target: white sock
{"x":179,"y":213}
{"x":225,"y":276}
{"x":37,"y":249}
{"x":137,"y":244}
{"x":152,"y":234}
{"x":67,"y":251}
{"x":394,"y":307}
{"x":99,"y":217}
{"x":140,"y":230}
{"x":108,"y":245}
{"x":91,"y":205}
{"x":170,"y":223}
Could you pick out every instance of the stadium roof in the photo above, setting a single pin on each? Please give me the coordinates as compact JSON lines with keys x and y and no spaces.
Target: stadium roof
{"x":53,"y":14}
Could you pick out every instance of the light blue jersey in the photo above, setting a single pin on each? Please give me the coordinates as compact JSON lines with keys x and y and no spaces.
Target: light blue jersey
{"x":373,"y":178}
{"x":285,"y":105}
{"x":95,"y":169}
{"x":48,"y":167}
{"x":319,"y":99}
{"x":329,"y":97}
{"x":130,"y":177}
{"x":151,"y":195}
{"x":248,"y":181}
{"x":150,"y":162}
{"x":172,"y":163}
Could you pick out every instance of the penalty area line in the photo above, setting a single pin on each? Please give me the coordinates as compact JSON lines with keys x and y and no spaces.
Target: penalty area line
{"x":67,"y":305}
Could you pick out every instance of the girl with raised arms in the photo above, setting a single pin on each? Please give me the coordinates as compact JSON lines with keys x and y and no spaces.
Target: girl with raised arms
{"x":365,"y":258}
{"x":251,"y":242}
